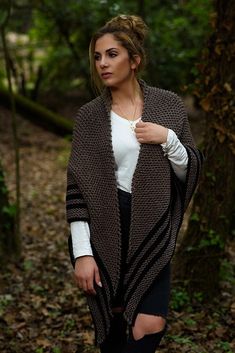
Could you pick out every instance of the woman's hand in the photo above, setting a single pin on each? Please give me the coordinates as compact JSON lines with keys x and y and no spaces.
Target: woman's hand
{"x":86,"y":272}
{"x":147,"y":132}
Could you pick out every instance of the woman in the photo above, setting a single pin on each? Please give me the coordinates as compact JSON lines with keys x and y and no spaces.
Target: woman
{"x":132,"y":171}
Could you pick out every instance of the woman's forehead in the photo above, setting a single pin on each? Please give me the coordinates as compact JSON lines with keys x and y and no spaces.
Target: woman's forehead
{"x":107,"y":42}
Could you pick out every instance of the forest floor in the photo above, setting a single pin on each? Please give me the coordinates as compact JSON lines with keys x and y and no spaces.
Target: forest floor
{"x":41,"y":309}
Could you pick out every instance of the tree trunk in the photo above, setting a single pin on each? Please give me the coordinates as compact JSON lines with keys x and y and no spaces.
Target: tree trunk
{"x":38,"y":114}
{"x":9,"y":244}
{"x":212,"y":219}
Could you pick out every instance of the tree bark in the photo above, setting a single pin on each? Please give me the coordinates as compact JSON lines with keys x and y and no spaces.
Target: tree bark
{"x":9,"y":244}
{"x":212,"y":220}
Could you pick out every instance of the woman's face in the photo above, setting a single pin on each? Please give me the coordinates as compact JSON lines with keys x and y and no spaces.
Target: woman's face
{"x":112,"y":61}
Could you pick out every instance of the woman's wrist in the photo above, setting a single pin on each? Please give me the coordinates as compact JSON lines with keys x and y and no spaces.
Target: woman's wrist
{"x":162,"y":135}
{"x":82,"y":256}
{"x":165,"y":135}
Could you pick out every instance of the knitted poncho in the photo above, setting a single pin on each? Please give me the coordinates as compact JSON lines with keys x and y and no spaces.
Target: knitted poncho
{"x":159,"y":200}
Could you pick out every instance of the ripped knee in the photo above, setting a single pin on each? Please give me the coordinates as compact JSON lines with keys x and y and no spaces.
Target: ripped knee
{"x":147,"y":324}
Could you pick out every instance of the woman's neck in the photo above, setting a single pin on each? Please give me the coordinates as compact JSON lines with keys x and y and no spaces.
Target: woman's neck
{"x":128,"y":92}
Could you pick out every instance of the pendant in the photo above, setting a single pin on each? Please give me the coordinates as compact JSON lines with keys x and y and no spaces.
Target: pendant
{"x":132,"y":126}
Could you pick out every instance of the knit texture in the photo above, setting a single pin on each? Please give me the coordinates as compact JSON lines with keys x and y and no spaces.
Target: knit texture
{"x":159,"y":200}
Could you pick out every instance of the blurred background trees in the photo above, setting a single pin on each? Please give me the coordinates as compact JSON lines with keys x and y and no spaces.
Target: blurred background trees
{"x":49,"y":42}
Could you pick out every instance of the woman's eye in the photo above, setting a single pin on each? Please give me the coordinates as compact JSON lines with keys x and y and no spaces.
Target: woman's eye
{"x":112,"y":55}
{"x":96,"y":57}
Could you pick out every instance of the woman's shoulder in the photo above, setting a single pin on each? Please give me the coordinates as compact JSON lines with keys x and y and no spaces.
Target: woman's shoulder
{"x":90,"y":107}
{"x":166,"y":95}
{"x":167,"y":107}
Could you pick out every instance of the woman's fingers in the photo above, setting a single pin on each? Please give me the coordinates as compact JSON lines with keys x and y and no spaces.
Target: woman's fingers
{"x":84,"y":286}
{"x":86,"y":274}
{"x":97,"y":277}
{"x":140,"y":124}
{"x":147,"y":132}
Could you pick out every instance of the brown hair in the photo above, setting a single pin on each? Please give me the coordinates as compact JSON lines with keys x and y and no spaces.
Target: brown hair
{"x":130,"y":31}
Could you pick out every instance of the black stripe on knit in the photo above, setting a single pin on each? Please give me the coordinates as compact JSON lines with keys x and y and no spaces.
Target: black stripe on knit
{"x":178,"y":189}
{"x":198,"y":158}
{"x":201,"y":155}
{"x":105,"y":297}
{"x":95,"y":318}
{"x":147,"y":253}
{"x":146,"y":239}
{"x":146,"y":270}
{"x":95,"y":326}
{"x":74,"y":196}
{"x":72,"y":187}
{"x":188,"y":170}
{"x":103,"y":269}
{"x":175,"y":193}
{"x":103,"y":308}
{"x":76,"y":205}
{"x":70,"y":248}
{"x":74,"y":219}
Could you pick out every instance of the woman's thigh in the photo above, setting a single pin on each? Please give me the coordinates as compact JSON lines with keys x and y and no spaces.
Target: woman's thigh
{"x":153,"y":309}
{"x":156,"y":301}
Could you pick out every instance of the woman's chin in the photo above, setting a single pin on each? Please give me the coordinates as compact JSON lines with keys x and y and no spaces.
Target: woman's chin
{"x":108,"y":82}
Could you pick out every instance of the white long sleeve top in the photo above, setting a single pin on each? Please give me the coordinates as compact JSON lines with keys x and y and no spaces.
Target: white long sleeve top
{"x":126,"y":151}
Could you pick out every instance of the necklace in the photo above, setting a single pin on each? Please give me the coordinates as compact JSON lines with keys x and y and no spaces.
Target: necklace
{"x":131,"y":122}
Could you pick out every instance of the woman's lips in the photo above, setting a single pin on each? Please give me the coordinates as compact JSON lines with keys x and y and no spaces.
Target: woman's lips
{"x":106,"y":75}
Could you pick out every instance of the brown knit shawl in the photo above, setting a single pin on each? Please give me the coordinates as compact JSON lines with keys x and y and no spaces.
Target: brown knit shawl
{"x":159,"y":200}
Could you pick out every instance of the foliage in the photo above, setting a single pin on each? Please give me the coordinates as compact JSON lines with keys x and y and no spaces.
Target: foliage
{"x":177,"y":38}
{"x":182,"y":300}
{"x":5,"y":300}
{"x":227,"y":272}
{"x":58,"y":37}
{"x":179,"y":298}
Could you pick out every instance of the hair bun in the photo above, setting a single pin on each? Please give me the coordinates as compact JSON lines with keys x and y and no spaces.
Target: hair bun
{"x":130,"y":23}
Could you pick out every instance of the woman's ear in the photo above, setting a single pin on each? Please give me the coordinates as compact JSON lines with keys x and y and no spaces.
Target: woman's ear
{"x":135,"y":62}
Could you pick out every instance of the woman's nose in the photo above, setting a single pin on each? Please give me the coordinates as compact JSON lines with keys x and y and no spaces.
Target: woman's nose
{"x":103,"y":62}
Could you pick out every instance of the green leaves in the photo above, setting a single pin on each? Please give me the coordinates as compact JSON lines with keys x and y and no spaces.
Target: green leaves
{"x":5,"y":300}
{"x":180,"y":298}
{"x":211,"y":239}
{"x":10,"y":210}
{"x":59,"y":37}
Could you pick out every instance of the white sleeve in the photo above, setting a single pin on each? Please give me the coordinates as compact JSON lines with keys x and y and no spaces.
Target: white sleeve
{"x":177,"y":154}
{"x":80,"y":234}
